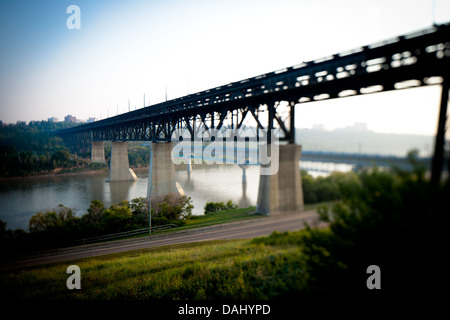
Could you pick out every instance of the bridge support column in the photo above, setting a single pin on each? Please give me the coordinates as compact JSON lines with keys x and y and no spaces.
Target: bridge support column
{"x":282,"y":191}
{"x":290,"y":190}
{"x":267,"y":202}
{"x":163,"y":172}
{"x":98,"y":151}
{"x":119,"y":169}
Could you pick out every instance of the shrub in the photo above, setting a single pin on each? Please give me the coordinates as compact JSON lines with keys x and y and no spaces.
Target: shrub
{"x":172,"y":207}
{"x":211,"y":207}
{"x":118,"y":218}
{"x":327,"y":188}
{"x":51,"y":219}
{"x":159,"y":221}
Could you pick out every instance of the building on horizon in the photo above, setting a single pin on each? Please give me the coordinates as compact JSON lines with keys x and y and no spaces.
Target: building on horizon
{"x":70,"y":119}
{"x":318,"y":127}
{"x":90,"y":120}
{"x":360,"y":126}
{"x":356,"y":127}
{"x":52,"y":119}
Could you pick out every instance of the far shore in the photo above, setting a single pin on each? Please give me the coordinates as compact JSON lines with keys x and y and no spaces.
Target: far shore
{"x":53,"y":174}
{"x":180,"y":167}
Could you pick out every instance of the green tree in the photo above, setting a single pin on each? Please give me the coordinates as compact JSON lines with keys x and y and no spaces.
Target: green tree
{"x":52,"y":219}
{"x":61,"y":157}
{"x":173,"y":208}
{"x":118,"y":217}
{"x":211,"y":207}
{"x":95,"y":213}
{"x":327,"y":188}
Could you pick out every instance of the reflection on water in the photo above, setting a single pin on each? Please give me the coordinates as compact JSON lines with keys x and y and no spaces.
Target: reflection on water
{"x":219,"y":183}
{"x":20,"y":199}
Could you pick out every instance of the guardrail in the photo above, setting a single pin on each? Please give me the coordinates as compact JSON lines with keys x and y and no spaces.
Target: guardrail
{"x":125,"y":234}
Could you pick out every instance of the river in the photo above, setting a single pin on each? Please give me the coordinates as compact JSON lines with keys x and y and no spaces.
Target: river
{"x":21,"y":198}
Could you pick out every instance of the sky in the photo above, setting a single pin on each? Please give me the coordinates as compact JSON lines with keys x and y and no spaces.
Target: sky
{"x":127,"y":49}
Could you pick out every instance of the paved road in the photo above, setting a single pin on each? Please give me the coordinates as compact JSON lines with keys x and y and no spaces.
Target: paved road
{"x":238,"y":230}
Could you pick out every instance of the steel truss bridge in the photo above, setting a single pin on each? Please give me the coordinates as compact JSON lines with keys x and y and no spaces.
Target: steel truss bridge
{"x":268,"y":101}
{"x":363,"y":160}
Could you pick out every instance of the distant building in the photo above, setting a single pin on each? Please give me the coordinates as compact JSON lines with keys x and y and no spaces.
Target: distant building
{"x":22,"y":123}
{"x":360,"y":126}
{"x":356,"y":127}
{"x":70,"y":119}
{"x":52,"y":119}
{"x":90,"y":120}
{"x":318,"y":127}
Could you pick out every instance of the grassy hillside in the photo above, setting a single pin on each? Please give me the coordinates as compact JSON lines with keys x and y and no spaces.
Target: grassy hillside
{"x":235,"y":269}
{"x":394,"y":221}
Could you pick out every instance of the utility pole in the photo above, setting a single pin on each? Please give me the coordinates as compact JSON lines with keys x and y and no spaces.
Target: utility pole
{"x":433,"y":12}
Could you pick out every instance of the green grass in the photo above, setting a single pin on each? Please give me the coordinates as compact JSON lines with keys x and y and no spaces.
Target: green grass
{"x":261,"y":268}
{"x":233,"y":269}
{"x":237,"y":215}
{"x":231,"y":216}
{"x":224,"y":216}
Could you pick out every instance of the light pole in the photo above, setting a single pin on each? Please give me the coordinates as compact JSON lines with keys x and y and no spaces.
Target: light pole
{"x":149,"y":190}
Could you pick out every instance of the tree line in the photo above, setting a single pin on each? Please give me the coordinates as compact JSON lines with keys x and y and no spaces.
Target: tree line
{"x":61,"y":227}
{"x":34,"y":148}
{"x":29,"y":149}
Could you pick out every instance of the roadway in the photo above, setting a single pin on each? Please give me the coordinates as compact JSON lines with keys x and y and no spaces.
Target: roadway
{"x":263,"y":226}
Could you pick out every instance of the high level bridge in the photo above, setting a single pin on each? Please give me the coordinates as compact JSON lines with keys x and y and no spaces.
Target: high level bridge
{"x":268,"y":102}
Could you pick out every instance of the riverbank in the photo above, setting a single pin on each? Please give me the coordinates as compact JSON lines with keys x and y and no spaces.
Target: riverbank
{"x":74,"y":171}
{"x":56,"y":173}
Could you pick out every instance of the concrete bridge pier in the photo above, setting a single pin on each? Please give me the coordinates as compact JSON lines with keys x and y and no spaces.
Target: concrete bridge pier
{"x":267,"y":202}
{"x":163,"y":171}
{"x":282,"y":191}
{"x":98,"y":151}
{"x":119,"y":169}
{"x":290,"y":190}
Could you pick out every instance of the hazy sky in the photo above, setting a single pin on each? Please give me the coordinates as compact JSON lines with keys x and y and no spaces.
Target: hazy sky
{"x":127,"y":48}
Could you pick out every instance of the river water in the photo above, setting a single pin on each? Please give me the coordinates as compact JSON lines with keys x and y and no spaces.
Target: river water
{"x":20,"y":199}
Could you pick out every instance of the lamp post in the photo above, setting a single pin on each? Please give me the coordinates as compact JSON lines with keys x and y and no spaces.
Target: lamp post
{"x":149,"y":190}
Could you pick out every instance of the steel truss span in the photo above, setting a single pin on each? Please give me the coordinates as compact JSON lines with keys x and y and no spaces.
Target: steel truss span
{"x":267,"y":101}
